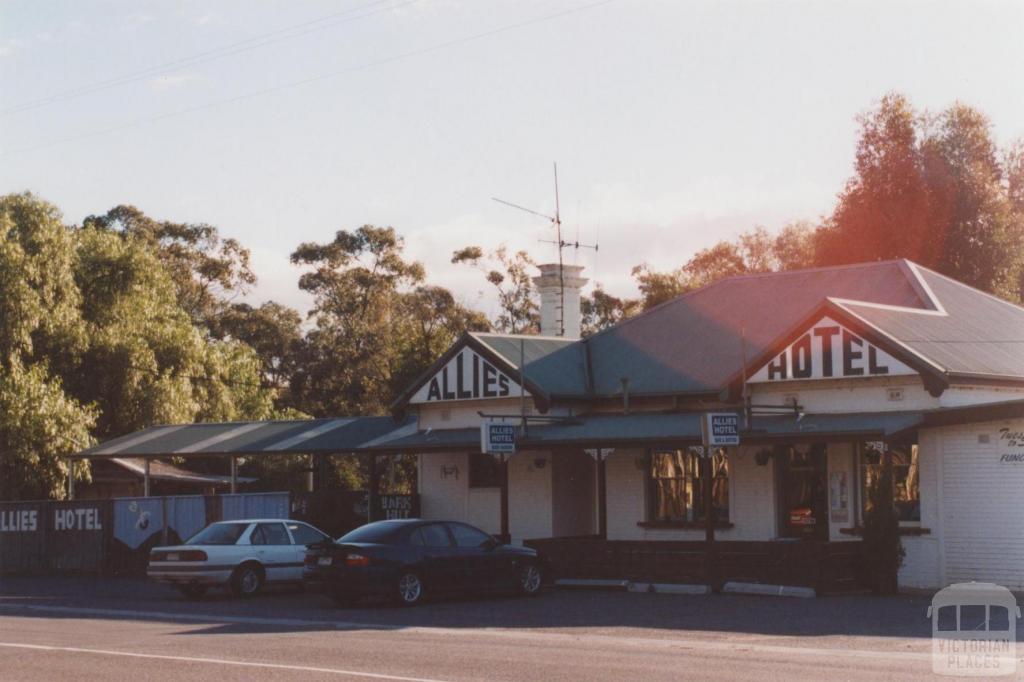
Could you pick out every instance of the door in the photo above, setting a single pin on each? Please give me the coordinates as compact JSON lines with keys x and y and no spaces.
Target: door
{"x":803,"y":491}
{"x":302,"y":535}
{"x":438,"y":561}
{"x":479,"y":565}
{"x":274,"y":549}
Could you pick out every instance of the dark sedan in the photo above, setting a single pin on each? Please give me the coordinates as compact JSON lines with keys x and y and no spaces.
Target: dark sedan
{"x":410,"y":558}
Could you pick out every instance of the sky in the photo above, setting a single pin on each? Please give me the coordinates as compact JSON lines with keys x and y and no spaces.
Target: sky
{"x":674,"y":124}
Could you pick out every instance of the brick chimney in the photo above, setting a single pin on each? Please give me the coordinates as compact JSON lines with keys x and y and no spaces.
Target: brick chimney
{"x":552,"y":318}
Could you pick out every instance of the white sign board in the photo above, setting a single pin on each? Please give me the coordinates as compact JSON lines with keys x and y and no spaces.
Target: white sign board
{"x":497,"y":438}
{"x":828,"y":350}
{"x":467,"y":376}
{"x":720,"y":429}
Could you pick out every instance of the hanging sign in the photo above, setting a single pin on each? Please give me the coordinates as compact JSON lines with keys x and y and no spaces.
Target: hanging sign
{"x":497,"y":438}
{"x":720,"y":429}
{"x":467,"y":376}
{"x":828,"y":350}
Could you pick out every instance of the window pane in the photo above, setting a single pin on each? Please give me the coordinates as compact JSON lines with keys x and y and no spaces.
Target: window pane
{"x":946,"y":621}
{"x":484,"y":471}
{"x":905,"y":477}
{"x":972,"y":617}
{"x":272,"y":534}
{"x":467,"y":536}
{"x":998,"y":618}
{"x":676,"y":488}
{"x":435,"y":535}
{"x":218,"y":534}
{"x":305,"y":535}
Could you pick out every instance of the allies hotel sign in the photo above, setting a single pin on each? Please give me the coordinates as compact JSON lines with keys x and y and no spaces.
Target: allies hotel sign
{"x":828,"y":350}
{"x":467,"y":376}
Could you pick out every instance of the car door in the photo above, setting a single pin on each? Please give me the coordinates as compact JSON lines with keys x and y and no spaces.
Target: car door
{"x":479,"y":566}
{"x":274,"y":549}
{"x":302,"y":534}
{"x":437,"y":556}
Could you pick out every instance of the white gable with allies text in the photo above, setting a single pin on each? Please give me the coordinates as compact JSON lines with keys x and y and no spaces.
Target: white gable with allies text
{"x":467,"y":376}
{"x":828,"y":350}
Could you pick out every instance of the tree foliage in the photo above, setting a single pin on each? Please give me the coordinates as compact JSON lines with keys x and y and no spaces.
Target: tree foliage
{"x":752,"y":252}
{"x":377,"y":324}
{"x":511,"y":275}
{"x":96,"y":342}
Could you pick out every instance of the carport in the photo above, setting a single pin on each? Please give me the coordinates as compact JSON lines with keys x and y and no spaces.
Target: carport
{"x":317,"y":438}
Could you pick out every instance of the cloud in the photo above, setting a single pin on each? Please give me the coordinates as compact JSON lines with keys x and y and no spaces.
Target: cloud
{"x":10,"y":46}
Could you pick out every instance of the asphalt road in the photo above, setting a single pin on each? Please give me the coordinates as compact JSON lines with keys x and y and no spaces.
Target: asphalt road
{"x":93,"y":629}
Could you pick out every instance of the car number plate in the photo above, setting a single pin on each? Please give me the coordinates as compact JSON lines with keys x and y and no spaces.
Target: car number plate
{"x":324,"y":561}
{"x":173,"y":556}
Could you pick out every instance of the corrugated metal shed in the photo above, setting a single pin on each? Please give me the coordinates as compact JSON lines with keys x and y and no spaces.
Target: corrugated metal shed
{"x":248,"y":438}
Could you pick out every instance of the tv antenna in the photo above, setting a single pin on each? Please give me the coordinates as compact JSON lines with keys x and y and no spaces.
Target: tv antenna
{"x":555,"y":220}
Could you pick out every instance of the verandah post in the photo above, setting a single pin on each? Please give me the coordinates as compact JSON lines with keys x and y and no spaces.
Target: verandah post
{"x":710,"y":563}
{"x":373,"y":486}
{"x":505,"y":535}
{"x":602,"y":496}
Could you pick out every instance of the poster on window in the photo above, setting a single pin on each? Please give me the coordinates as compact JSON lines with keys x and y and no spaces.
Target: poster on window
{"x":838,"y":495}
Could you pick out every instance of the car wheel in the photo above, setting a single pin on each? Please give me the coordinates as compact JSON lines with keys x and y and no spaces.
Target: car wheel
{"x":192,"y":591}
{"x":247,"y":580}
{"x":529,"y":579}
{"x":410,"y":588}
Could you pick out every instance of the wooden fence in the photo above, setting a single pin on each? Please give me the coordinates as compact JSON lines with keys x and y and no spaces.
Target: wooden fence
{"x":828,"y":567}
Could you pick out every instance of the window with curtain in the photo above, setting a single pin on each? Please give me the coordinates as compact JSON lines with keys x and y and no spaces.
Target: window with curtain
{"x":676,"y":490}
{"x":905,"y":477}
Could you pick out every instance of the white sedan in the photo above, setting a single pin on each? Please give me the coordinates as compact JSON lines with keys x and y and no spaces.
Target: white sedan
{"x":242,"y":556}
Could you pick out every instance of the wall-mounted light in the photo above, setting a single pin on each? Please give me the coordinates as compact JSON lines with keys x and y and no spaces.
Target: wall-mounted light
{"x":540,"y":463}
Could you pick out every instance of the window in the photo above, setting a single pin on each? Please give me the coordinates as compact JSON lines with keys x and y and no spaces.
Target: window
{"x":676,"y":491}
{"x":905,"y":477}
{"x":218,"y":534}
{"x":270,"y":534}
{"x":305,"y":535}
{"x":484,"y":471}
{"x":467,"y":536}
{"x":433,"y":535}
{"x":380,"y":532}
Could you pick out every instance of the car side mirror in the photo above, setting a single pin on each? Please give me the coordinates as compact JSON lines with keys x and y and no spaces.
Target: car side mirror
{"x":491,"y":544}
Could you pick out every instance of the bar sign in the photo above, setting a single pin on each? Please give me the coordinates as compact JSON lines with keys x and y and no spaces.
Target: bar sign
{"x":497,"y":438}
{"x":720,"y":429}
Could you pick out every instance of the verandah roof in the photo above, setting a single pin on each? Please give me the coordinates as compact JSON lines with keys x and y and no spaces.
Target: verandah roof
{"x":660,"y":429}
{"x":310,"y":436}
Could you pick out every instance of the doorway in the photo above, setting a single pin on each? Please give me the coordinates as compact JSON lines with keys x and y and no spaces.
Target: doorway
{"x":802,"y":475}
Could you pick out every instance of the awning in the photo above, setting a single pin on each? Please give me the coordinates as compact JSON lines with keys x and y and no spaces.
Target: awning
{"x":669,"y":430}
{"x":310,"y":436}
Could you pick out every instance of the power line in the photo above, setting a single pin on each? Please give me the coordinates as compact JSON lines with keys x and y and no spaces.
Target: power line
{"x":313,"y":79}
{"x":222,"y":52}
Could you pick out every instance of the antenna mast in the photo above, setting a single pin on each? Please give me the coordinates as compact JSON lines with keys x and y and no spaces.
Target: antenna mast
{"x":556,"y":220}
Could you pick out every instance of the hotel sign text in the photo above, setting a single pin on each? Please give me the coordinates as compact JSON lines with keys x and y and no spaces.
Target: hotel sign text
{"x":828,"y":350}
{"x":467,"y":376}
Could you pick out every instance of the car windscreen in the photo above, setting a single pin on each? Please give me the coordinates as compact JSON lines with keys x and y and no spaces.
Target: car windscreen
{"x":380,"y":532}
{"x":218,"y":534}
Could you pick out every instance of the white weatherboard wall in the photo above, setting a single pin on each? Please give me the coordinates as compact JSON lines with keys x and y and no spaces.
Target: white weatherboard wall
{"x":446,"y":495}
{"x":981,"y":513}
